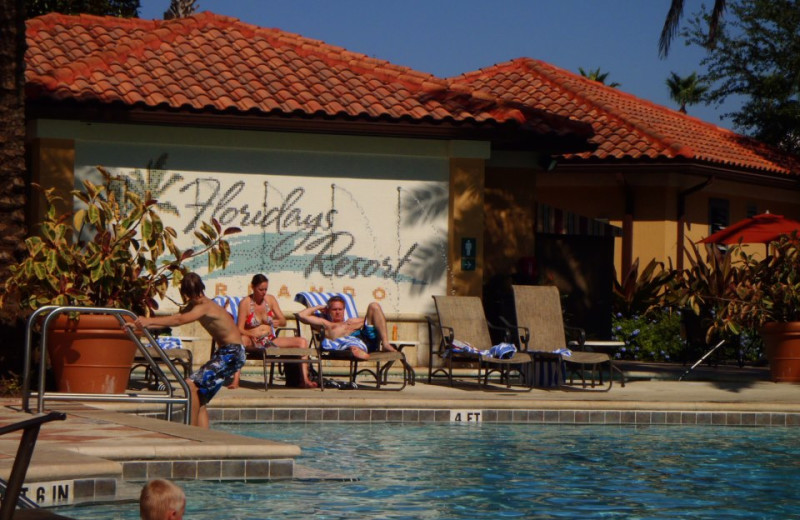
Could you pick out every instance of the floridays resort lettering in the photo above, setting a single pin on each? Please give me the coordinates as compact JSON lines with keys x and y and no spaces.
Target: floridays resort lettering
{"x":300,"y":233}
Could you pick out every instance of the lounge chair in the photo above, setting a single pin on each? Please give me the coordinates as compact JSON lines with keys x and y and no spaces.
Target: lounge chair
{"x":541,"y":327}
{"x":461,"y":320}
{"x":173,"y":349}
{"x":383,"y":360}
{"x":274,"y":355}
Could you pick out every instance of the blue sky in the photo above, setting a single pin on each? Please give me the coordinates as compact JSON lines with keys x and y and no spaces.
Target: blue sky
{"x":450,"y":37}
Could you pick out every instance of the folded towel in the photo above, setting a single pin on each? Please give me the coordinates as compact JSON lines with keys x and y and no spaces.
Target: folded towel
{"x":169,"y":342}
{"x":343,"y":343}
{"x":499,"y":351}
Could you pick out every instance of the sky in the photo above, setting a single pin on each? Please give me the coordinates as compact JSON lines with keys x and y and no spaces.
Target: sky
{"x":450,"y":37}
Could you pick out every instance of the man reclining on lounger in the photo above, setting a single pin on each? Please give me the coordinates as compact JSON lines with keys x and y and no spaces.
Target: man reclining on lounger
{"x":359,"y":335}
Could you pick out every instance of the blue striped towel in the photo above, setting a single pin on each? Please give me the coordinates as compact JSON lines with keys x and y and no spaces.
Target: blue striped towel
{"x":343,"y":343}
{"x":169,"y":342}
{"x":230,"y":304}
{"x":499,"y":351}
{"x":563,"y":351}
{"x":312,"y":299}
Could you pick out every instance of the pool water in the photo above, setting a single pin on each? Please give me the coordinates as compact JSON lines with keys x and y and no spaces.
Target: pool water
{"x":491,"y":471}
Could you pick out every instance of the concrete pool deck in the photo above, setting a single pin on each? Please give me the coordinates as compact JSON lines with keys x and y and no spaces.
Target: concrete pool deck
{"x":100,"y":448}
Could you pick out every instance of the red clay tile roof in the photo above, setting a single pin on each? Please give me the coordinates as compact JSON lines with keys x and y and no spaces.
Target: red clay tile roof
{"x":217,"y":64}
{"x":626,"y":128}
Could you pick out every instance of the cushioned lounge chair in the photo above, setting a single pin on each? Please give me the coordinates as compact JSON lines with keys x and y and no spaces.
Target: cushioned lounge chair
{"x":172,"y":348}
{"x":461,"y":320}
{"x":273,"y":355}
{"x":541,"y":327}
{"x":383,"y":360}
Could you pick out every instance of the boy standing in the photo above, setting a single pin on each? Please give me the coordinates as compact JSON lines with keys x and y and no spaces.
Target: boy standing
{"x":227,"y":360}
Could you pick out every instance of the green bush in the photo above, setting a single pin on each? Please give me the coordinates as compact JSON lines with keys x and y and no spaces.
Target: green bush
{"x":655,"y":337}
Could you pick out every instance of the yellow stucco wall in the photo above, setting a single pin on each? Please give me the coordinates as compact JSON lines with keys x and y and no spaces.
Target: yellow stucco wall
{"x":52,"y":166}
{"x":655,"y":205}
{"x":509,"y":203}
{"x":466,"y":220}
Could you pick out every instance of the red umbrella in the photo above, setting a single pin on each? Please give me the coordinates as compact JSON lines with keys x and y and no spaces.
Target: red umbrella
{"x":760,"y":229}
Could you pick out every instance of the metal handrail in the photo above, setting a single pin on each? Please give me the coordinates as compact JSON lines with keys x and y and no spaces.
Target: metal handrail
{"x":51,"y":312}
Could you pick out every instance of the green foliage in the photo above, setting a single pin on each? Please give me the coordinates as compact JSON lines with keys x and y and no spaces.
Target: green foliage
{"x":766,"y":290}
{"x":596,"y":75}
{"x":111,"y":253}
{"x":705,"y":287}
{"x":656,"y":337}
{"x":120,"y":8}
{"x":757,"y":56}
{"x":687,"y":90}
{"x":639,"y":294}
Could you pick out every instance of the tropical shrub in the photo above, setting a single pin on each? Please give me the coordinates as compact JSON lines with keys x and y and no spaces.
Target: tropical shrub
{"x":637,"y":294}
{"x":654,"y":337}
{"x":113,"y":252}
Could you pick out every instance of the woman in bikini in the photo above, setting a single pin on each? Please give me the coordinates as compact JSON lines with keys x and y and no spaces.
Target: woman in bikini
{"x":259,"y":314}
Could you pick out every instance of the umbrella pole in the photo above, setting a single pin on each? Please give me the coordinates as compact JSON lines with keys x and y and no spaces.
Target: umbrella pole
{"x":702,"y":359}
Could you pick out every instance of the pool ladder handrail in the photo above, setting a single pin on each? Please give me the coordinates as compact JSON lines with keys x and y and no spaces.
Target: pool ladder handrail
{"x":51,"y":312}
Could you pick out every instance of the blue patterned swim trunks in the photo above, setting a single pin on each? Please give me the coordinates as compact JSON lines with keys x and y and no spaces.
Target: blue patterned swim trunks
{"x":369,"y":335}
{"x":227,"y":360}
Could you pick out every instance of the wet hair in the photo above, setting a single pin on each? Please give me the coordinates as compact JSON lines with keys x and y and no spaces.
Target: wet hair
{"x":336,"y":298}
{"x":258,"y":280}
{"x":158,"y":498}
{"x":192,"y":285}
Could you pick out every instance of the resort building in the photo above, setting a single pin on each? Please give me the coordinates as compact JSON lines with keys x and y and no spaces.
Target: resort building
{"x":349,"y":173}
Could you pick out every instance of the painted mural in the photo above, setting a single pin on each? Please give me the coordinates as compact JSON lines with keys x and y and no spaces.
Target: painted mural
{"x":379,"y":239}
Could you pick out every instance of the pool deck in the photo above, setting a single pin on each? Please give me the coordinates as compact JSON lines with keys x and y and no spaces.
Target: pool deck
{"x":100,"y":449}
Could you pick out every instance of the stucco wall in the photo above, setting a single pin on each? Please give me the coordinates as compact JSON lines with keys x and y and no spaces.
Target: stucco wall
{"x":366,"y":215}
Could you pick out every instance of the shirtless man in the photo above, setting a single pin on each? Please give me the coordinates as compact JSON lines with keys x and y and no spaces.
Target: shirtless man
{"x":363,"y":335}
{"x":227,"y":360}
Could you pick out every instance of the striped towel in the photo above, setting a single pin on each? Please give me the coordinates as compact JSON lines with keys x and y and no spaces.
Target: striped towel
{"x":499,"y":351}
{"x":343,"y":343}
{"x":230,"y":304}
{"x":169,"y":342}
{"x":312,"y":299}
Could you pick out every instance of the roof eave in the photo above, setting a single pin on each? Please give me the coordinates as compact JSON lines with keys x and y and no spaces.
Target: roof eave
{"x":508,"y":135}
{"x":688,"y":167}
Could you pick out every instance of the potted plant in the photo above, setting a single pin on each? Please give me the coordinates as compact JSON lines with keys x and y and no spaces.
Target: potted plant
{"x":766,"y":296}
{"x":116,"y":252}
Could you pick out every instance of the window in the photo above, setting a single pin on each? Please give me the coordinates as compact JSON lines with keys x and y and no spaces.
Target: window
{"x":719,"y":214}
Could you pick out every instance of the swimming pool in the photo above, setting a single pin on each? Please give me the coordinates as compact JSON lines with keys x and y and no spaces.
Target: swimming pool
{"x":489,"y":471}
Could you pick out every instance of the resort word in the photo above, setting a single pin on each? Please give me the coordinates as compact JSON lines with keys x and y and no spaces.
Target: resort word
{"x":300,"y":233}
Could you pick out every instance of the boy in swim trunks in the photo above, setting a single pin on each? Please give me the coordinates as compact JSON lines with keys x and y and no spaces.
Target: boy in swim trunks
{"x":361,"y":335}
{"x":228,"y":359}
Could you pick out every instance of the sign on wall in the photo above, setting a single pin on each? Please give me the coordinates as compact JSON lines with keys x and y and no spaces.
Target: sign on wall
{"x":379,"y":239}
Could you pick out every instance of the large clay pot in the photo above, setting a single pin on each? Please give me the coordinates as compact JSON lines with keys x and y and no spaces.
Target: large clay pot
{"x":90,"y":355}
{"x":782,"y":344}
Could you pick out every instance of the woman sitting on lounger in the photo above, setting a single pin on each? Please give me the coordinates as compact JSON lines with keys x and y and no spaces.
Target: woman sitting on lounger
{"x":259,"y":314}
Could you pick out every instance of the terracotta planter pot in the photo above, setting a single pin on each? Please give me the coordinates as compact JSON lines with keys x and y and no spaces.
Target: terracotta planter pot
{"x":91,"y":355}
{"x":782,"y":344}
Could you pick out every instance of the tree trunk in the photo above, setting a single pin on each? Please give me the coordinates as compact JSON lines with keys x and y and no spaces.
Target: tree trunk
{"x":12,"y":134}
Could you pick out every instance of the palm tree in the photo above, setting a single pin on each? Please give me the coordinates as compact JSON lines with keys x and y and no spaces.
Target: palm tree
{"x":674,"y":18}
{"x":596,"y":75}
{"x":180,"y":9}
{"x":686,"y":91}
